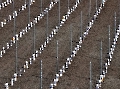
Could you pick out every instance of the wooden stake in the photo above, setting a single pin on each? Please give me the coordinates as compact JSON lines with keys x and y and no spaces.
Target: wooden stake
{"x":119,"y":12}
{"x":41,"y":75}
{"x":14,"y":25}
{"x":41,"y":5}
{"x":29,"y":12}
{"x":0,"y":1}
{"x":96,"y":4}
{"x":59,"y":11}
{"x":101,"y":1}
{"x":109,"y":38}
{"x":89,"y":10}
{"x":57,"y":63}
{"x":101,"y":59}
{"x":34,"y":39}
{"x":47,"y":26}
{"x":90,"y":75}
{"x":81,"y":23}
{"x":115,"y":22}
{"x":13,"y":6}
{"x":16,"y":57}
{"x":68,"y":4}
{"x":71,"y":36}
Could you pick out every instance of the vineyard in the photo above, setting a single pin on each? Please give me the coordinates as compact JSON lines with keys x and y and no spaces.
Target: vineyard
{"x":59,"y":44}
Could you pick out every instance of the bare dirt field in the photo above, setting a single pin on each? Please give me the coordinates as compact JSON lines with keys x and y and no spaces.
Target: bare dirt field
{"x":77,"y":75}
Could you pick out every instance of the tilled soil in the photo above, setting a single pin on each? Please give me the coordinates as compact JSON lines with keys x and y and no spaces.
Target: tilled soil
{"x":77,"y":75}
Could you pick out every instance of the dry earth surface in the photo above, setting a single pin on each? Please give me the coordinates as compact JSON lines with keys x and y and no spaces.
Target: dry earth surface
{"x":77,"y":75}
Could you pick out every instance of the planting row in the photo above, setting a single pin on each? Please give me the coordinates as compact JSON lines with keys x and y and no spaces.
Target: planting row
{"x":27,"y":28}
{"x":74,"y":52}
{"x":5,"y":4}
{"x":16,"y":13}
{"x":104,"y":72}
{"x":42,"y":47}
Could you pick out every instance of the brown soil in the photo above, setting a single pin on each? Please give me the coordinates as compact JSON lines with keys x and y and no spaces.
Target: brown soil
{"x":77,"y":75}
